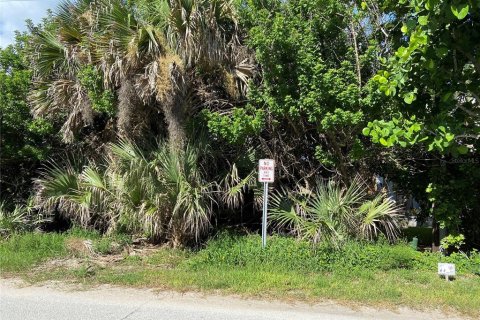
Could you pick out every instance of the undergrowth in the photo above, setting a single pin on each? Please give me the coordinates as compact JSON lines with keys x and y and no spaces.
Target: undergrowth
{"x":286,"y":254}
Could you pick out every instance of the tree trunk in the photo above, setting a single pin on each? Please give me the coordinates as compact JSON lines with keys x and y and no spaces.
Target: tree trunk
{"x":175,"y":118}
{"x":128,"y":108}
{"x":357,"y":54}
{"x":435,"y":233}
{"x":174,"y":109}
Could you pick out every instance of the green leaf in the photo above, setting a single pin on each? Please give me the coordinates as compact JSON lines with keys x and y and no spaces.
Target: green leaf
{"x":418,"y":38}
{"x":383,"y":142}
{"x":382,"y":80}
{"x":403,"y":53}
{"x":364,"y":5}
{"x":416,"y":127}
{"x":447,"y":96}
{"x":366,"y":131}
{"x":430,"y":4}
{"x":423,"y":20}
{"x":409,"y":98}
{"x":460,"y":10}
{"x":430,"y":64}
{"x":441,"y":52}
{"x":404,"y":29}
{"x":449,"y":136}
{"x":462,"y":149}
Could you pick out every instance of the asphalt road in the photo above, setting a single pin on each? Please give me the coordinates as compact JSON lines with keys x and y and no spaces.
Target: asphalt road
{"x":60,"y":302}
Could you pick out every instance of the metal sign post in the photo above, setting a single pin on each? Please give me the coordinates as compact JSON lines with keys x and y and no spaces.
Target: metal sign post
{"x":266,"y":174}
{"x":264,"y":217}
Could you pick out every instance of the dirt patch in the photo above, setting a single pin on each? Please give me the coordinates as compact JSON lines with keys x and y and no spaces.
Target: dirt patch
{"x":83,"y":255}
{"x":71,"y":263}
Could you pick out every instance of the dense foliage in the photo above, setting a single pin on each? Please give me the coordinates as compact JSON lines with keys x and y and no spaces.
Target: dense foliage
{"x":333,"y":214}
{"x":24,"y":141}
{"x":435,"y":70}
{"x":162,"y":194}
{"x":329,"y":89}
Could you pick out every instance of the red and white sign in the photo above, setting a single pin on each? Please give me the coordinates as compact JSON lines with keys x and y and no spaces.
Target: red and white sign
{"x":266,"y":170}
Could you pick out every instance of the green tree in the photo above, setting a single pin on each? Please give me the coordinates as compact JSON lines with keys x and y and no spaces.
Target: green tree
{"x":314,"y":96}
{"x":24,"y":141}
{"x":435,"y":75}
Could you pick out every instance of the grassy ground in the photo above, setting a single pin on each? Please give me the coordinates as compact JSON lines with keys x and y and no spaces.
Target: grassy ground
{"x":379,"y":275}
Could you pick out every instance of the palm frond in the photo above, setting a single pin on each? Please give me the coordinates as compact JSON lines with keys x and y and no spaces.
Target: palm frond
{"x":332,"y":212}
{"x":378,"y":216}
{"x":50,"y":54}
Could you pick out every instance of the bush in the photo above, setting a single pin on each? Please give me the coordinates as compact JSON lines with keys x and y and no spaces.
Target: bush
{"x":161,"y":194}
{"x":332,"y":213}
{"x":20,"y":219}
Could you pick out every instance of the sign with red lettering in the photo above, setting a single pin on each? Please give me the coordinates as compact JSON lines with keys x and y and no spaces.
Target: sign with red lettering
{"x":266,"y":170}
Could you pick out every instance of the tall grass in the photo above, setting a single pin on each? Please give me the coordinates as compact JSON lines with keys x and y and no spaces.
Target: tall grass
{"x":284,"y":254}
{"x":23,"y":251}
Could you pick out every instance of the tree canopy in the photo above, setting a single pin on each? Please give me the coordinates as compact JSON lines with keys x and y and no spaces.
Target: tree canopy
{"x":339,"y":90}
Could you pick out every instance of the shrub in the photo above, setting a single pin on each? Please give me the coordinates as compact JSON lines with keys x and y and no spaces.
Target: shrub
{"x":161,"y":194}
{"x":20,"y":219}
{"x":451,"y":242}
{"x":333,"y":213}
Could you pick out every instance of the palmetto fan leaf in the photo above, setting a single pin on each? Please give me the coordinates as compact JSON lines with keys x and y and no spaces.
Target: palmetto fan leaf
{"x":59,"y":188}
{"x":67,"y":15}
{"x":161,"y":194}
{"x":126,"y":40}
{"x":234,"y":187}
{"x":284,"y":211}
{"x":50,"y":54}
{"x":332,"y":213}
{"x":77,"y":24}
{"x":202,"y":31}
{"x":378,"y":216}
{"x":139,"y":59}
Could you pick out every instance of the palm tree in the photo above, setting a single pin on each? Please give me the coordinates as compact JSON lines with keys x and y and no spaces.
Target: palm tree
{"x":165,"y":66}
{"x":58,"y":53}
{"x":153,"y":62}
